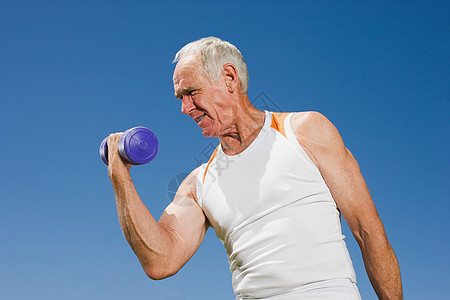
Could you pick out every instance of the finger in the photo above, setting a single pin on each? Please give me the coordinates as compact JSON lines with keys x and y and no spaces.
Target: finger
{"x":114,"y":138}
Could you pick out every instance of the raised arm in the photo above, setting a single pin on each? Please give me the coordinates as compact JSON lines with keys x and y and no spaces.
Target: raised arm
{"x":341,"y":173}
{"x":162,"y":247}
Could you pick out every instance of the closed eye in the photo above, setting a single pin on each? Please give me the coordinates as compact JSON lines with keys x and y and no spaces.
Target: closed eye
{"x":187,"y":91}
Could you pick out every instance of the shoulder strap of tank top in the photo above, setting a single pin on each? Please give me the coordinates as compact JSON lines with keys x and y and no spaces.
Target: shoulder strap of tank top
{"x":209,"y":162}
{"x":278,"y":122}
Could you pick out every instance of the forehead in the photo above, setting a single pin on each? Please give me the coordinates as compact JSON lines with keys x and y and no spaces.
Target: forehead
{"x":187,"y":69}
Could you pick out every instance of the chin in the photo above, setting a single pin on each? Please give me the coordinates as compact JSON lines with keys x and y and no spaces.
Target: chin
{"x":207,"y":132}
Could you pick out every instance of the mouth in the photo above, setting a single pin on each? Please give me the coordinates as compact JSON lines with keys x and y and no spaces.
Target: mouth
{"x":200,"y":118}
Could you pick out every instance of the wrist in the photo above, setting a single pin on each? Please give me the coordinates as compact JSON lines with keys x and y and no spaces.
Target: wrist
{"x":118,"y":170}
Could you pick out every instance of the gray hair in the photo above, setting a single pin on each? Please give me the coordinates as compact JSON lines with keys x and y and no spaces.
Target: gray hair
{"x":215,"y":53}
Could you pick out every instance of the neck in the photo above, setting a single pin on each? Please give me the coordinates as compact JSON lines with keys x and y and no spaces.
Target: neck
{"x":247,"y":123}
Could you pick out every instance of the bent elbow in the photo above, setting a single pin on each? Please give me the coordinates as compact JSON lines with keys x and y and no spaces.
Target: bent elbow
{"x":158,"y":273}
{"x":155,"y":275}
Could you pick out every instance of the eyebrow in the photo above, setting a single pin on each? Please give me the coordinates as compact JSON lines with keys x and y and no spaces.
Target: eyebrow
{"x":185,"y":91}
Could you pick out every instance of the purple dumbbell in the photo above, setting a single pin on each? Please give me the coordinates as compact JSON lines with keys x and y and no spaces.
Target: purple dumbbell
{"x":137,"y":145}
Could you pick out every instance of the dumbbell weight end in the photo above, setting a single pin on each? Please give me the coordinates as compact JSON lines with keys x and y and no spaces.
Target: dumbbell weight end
{"x":137,"y":145}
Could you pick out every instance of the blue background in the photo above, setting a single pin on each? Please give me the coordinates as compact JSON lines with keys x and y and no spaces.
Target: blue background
{"x":71,"y":72}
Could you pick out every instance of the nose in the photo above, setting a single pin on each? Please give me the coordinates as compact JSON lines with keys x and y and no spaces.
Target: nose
{"x":187,"y":105}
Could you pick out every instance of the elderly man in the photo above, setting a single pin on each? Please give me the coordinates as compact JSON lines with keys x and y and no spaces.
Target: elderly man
{"x":273,"y":191}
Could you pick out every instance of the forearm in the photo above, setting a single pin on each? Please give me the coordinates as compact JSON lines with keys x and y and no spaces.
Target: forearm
{"x":381,"y":266}
{"x":150,"y":241}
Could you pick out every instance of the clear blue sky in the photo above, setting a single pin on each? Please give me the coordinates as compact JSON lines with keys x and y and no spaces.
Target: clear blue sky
{"x":71,"y":72}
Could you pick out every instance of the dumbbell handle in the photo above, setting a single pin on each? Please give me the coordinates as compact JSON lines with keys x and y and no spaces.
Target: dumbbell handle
{"x":137,"y":145}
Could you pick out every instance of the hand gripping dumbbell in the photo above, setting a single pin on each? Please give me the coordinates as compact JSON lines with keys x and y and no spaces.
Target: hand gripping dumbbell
{"x":137,"y":146}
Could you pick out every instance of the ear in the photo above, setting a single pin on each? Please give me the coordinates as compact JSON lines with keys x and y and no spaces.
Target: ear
{"x":231,"y":77}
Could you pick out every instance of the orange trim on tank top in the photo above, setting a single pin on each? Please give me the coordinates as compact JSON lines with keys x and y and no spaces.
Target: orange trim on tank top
{"x":209,"y":162}
{"x":278,"y":122}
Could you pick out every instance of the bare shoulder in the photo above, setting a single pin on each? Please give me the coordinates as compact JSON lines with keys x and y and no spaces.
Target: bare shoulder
{"x":312,"y":124}
{"x":317,"y":135}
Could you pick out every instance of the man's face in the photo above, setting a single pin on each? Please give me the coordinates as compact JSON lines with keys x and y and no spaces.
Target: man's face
{"x":203,"y":101}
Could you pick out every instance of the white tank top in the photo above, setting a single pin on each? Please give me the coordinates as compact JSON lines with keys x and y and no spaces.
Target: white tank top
{"x":275,"y":215}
